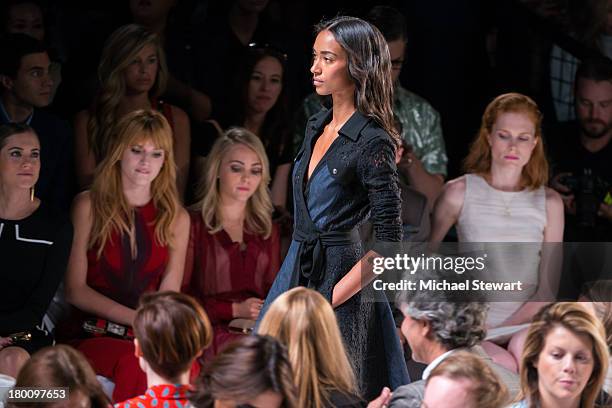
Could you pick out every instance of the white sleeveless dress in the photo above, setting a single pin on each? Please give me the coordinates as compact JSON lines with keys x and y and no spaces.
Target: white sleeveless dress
{"x":493,"y":216}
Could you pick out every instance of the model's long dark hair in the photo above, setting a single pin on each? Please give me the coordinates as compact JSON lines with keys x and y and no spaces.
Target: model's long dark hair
{"x":369,"y":66}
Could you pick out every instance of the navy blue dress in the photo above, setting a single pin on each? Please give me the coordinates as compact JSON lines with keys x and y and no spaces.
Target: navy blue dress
{"x":355,"y":180}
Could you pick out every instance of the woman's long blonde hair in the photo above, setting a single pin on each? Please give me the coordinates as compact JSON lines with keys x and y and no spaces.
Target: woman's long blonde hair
{"x":577,"y":319}
{"x":258,"y":218}
{"x":119,"y":51}
{"x":110,"y":210}
{"x":304,"y":321}
{"x":478,"y":160}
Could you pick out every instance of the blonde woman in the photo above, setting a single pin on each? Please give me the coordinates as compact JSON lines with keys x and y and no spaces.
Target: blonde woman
{"x":234,"y":250}
{"x":303,"y":320}
{"x":132,"y":75}
{"x":130,"y":238}
{"x":565,"y":359}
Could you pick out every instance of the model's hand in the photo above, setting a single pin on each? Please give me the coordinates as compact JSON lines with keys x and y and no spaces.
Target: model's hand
{"x":382,"y":400}
{"x":408,"y":159}
{"x":248,"y":309}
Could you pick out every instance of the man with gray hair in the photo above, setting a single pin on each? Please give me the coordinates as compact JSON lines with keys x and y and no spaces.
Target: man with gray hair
{"x":434,"y":330}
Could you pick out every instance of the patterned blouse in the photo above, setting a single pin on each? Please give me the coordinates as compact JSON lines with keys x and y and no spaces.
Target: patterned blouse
{"x":159,"y":396}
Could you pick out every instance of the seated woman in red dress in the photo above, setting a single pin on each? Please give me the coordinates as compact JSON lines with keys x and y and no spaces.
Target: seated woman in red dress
{"x":130,"y":238}
{"x":234,"y":248}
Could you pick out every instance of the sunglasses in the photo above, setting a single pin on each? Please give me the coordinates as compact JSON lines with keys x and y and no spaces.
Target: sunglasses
{"x":281,"y":54}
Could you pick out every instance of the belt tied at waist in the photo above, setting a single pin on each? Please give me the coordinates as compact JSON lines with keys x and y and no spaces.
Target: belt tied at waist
{"x":310,"y":263}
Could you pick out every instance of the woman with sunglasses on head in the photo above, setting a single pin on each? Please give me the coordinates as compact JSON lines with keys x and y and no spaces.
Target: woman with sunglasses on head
{"x":344,"y":173}
{"x":132,"y":75}
{"x":34,"y":246}
{"x":252,"y":372}
{"x":130,"y":238}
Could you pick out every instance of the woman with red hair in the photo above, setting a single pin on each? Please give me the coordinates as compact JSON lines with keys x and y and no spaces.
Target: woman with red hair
{"x":503,"y":199}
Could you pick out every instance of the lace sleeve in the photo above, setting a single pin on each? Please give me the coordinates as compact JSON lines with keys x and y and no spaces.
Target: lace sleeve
{"x":379,"y":177}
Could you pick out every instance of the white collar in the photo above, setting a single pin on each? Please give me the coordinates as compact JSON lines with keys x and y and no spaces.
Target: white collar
{"x":434,"y":364}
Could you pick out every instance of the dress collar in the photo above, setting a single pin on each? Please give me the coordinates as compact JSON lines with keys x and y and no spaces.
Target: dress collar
{"x":226,"y":240}
{"x":351,"y":129}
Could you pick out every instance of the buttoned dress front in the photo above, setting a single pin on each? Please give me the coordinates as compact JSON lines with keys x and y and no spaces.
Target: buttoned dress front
{"x":355,"y":180}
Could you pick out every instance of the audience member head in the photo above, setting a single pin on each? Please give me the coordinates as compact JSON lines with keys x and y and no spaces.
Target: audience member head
{"x":151,"y":13}
{"x":24,"y":71}
{"x":593,"y":96}
{"x":19,"y":157}
{"x":392,"y":25}
{"x":510,"y":135}
{"x":159,"y":318}
{"x":433,"y":328}
{"x":464,"y":380}
{"x":252,"y":371}
{"x":23,"y":16}
{"x":250,"y":7}
{"x":141,"y":155}
{"x":351,"y":55}
{"x":565,"y":357}
{"x":62,"y":366}
{"x":261,"y":90}
{"x":304,"y":321}
{"x":132,"y":63}
{"x":237,"y":170}
{"x":263,"y":81}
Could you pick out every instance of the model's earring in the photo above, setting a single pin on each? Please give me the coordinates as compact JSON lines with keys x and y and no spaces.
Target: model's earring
{"x":32,"y":194}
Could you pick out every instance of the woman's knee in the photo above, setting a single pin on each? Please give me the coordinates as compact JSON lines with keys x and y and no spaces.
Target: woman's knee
{"x":517,"y":342}
{"x":500,"y":356}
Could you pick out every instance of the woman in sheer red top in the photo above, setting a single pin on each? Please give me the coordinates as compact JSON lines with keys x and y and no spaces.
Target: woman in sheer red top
{"x":234,"y":249}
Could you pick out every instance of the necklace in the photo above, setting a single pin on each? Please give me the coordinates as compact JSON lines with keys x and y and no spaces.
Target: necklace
{"x":506,"y":204}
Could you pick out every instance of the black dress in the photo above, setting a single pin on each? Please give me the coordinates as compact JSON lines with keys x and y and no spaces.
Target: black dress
{"x":355,"y":178}
{"x":34,"y":253}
